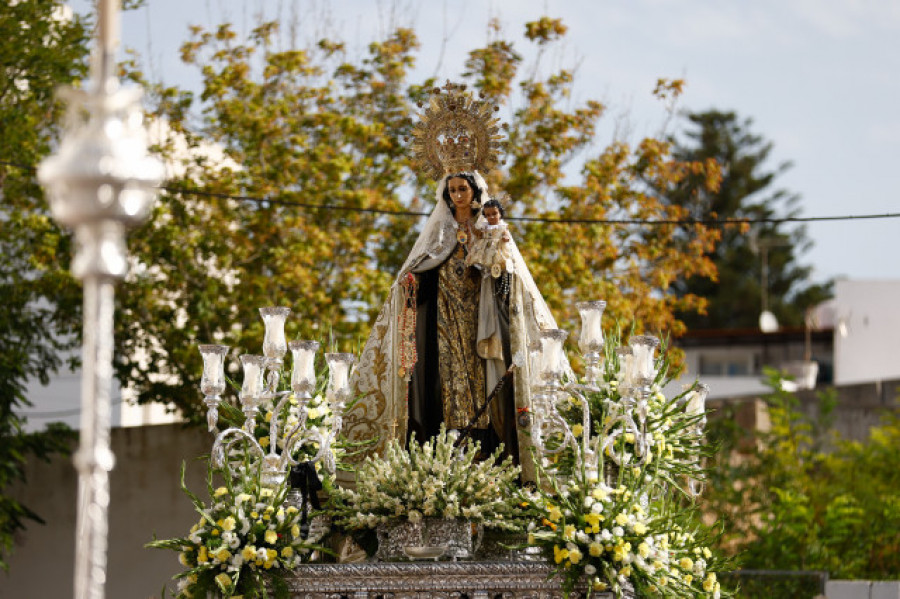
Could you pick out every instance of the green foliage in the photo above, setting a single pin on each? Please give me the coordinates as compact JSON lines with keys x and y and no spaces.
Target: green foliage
{"x":798,"y":498}
{"x":40,"y":312}
{"x":747,"y":190}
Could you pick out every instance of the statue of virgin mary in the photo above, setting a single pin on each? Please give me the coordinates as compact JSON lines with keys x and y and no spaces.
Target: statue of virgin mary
{"x":448,"y":332}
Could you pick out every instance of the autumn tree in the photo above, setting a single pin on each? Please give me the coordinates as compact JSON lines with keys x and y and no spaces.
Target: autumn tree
{"x":315,"y":205}
{"x":748,"y":190}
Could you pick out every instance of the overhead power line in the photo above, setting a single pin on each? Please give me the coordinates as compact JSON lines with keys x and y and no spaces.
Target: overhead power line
{"x":531,"y":219}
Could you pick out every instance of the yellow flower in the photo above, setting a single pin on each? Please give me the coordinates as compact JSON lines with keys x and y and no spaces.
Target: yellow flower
{"x":629,"y":437}
{"x":643,"y":549}
{"x":559,"y":554}
{"x":686,"y":563}
{"x":593,"y":521}
{"x":569,"y":532}
{"x":271,"y":555}
{"x":688,"y":579}
{"x":264,"y":441}
{"x":223,"y":555}
{"x":710,"y":583}
{"x":248,"y":553}
{"x":228,"y":523}
{"x":621,"y":519}
{"x":295,"y":531}
{"x":214,"y":532}
{"x":220,"y":491}
{"x":575,"y":556}
{"x":202,"y":558}
{"x":269,"y":416}
{"x":313,"y":413}
{"x":599,"y":585}
{"x":599,"y":493}
{"x":287,"y":552}
{"x":271,"y":537}
{"x":292,"y":510}
{"x":183,"y":559}
{"x":223,"y":580}
{"x":707,"y":553}
{"x":577,"y":430}
{"x":554,"y":513}
{"x":640,"y":528}
{"x":626,"y":571}
{"x":595,"y":549}
{"x":254,"y":515}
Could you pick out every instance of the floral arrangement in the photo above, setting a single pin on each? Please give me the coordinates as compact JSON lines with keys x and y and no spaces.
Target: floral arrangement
{"x":246,"y":537}
{"x":431,"y":480}
{"x":616,"y":507}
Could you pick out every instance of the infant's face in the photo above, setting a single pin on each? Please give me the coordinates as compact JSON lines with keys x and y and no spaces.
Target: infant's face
{"x":492,"y":215}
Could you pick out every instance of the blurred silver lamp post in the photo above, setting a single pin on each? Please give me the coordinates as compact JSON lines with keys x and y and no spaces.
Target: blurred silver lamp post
{"x":260,"y":389}
{"x":100,"y":182}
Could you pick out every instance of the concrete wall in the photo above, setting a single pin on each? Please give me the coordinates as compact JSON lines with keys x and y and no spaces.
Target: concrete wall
{"x":862,"y":589}
{"x":145,"y":499}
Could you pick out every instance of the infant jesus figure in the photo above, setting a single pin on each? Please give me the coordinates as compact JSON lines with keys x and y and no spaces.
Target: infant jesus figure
{"x":491,"y":249}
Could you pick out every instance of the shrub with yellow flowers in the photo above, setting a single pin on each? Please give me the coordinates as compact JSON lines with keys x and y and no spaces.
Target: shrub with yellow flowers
{"x":245,"y":540}
{"x":615,"y":510}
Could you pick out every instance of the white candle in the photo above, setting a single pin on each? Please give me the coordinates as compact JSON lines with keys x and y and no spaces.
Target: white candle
{"x":642,"y":347}
{"x":696,"y":403}
{"x":591,"y":325}
{"x":551,"y":350}
{"x":253,"y":375}
{"x":303,"y":373}
{"x":274,"y":343}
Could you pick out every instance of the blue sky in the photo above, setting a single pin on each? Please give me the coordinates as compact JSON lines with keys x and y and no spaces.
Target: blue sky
{"x":819,"y":78}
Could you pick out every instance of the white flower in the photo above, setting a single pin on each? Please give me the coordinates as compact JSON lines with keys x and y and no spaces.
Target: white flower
{"x":618,"y":531}
{"x":590,"y":570}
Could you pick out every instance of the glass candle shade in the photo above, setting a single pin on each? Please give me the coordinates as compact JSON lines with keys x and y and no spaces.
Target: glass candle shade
{"x":551,"y":353}
{"x":212,"y":383}
{"x":339,"y":374}
{"x":591,"y":339}
{"x":303,"y":373}
{"x":254,"y":369}
{"x":696,"y":403}
{"x":642,"y":348}
{"x":274,"y":343}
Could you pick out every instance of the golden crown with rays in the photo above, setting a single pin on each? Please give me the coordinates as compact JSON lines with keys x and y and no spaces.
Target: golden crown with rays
{"x":456,"y":133}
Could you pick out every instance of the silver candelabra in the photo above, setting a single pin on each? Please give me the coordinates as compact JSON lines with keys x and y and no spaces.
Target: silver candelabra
{"x":626,"y":416}
{"x":289,"y":427}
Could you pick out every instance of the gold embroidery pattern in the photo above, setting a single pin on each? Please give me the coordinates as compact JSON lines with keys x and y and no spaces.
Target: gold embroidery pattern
{"x":461,"y":370}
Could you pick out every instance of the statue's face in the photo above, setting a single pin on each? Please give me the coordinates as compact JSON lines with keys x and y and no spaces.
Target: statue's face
{"x":461,"y":192}
{"x":492,"y":215}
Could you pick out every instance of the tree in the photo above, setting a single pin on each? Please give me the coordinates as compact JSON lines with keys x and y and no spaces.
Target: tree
{"x":799,"y":498}
{"x":320,"y":138}
{"x":41,"y":47}
{"x":746,"y":190}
